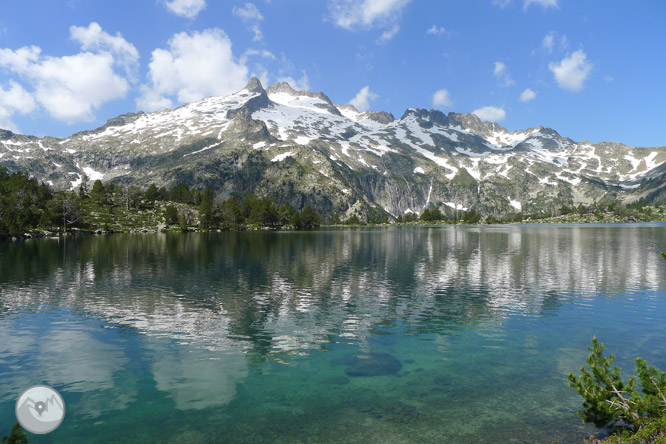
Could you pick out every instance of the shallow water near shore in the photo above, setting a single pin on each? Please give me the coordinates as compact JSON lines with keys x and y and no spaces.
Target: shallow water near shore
{"x":378,"y":335}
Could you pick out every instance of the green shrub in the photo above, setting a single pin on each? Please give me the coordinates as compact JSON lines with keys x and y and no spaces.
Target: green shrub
{"x":612,"y":403}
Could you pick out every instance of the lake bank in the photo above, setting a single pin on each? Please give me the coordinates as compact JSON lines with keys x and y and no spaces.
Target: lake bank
{"x":650,"y":215}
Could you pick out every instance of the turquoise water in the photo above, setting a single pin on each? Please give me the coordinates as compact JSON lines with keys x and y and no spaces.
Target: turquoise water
{"x":383,"y":335}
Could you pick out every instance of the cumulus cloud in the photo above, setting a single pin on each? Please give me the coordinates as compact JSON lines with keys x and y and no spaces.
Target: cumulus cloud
{"x":186,"y":8}
{"x":441,"y":98}
{"x":527,"y":95}
{"x":543,"y":3}
{"x":572,"y":71}
{"x":502,"y":74}
{"x":362,"y":100}
{"x":14,"y":100}
{"x":365,"y":14}
{"x":194,"y":66}
{"x":71,"y":87}
{"x":490,"y":113}
{"x":93,"y":38}
{"x":436,"y":30}
{"x":251,"y":16}
{"x":72,"y":97}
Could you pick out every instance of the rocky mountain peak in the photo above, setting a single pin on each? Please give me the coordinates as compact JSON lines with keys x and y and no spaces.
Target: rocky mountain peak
{"x":285,"y":88}
{"x":378,"y":116}
{"x":471,"y":122}
{"x":5,"y":134}
{"x":281,"y":87}
{"x":120,"y":120}
{"x":254,"y":85}
{"x":426,"y":118}
{"x":350,"y":108}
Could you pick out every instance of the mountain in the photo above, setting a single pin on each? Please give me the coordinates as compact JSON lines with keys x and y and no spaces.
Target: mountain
{"x":300,"y":148}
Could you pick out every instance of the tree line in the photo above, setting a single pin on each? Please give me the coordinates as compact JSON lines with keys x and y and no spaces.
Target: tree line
{"x":26,"y":204}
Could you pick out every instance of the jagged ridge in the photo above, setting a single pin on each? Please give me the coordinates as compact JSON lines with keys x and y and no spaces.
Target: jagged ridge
{"x":301,"y":148}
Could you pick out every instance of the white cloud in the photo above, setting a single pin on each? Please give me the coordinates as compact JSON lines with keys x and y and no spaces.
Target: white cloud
{"x":71,"y":87}
{"x":258,"y":34}
{"x":436,"y":30}
{"x":362,"y":100}
{"x":490,"y":113}
{"x":302,"y":84}
{"x":502,"y":74}
{"x":527,"y":95}
{"x":550,"y":41}
{"x":389,"y":34}
{"x":256,"y":52}
{"x":186,"y":8}
{"x":21,"y":60}
{"x":543,"y":3}
{"x":250,"y":15}
{"x":499,"y":68}
{"x":15,"y":100}
{"x":352,"y":14}
{"x":194,"y":66}
{"x":441,"y":98}
{"x":93,"y":38}
{"x":572,"y":71}
{"x":72,"y":97}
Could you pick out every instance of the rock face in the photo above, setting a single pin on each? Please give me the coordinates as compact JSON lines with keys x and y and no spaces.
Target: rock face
{"x":300,"y":148}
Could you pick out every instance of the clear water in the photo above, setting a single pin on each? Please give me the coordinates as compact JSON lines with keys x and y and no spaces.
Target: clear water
{"x":259,"y":337}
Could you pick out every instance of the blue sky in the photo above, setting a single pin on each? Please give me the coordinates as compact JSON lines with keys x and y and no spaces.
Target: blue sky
{"x":592,"y":70}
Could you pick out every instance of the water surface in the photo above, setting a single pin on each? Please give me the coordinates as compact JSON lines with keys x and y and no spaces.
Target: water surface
{"x":382,"y":335}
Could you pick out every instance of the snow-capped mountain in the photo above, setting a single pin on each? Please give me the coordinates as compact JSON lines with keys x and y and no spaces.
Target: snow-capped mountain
{"x":301,"y":148}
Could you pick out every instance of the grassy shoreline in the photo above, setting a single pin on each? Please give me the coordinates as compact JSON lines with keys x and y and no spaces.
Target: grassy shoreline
{"x":152,"y":221}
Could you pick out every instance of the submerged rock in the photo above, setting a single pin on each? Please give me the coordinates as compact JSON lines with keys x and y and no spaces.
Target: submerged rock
{"x":373,"y":364}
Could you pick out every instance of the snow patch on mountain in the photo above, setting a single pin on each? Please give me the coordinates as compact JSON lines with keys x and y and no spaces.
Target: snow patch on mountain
{"x":92,"y":174}
{"x":516,"y":204}
{"x":281,"y":157}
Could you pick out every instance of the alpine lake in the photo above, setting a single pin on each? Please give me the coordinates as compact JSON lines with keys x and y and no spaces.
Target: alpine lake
{"x":399,"y":334}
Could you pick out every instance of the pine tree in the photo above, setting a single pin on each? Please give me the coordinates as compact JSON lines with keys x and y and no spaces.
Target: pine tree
{"x":609,"y":401}
{"x":206,"y":209}
{"x":151,"y":195}
{"x":285,"y":213}
{"x":296,"y":221}
{"x":16,"y":437}
{"x":310,"y":218}
{"x":98,"y":192}
{"x":83,"y":188}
